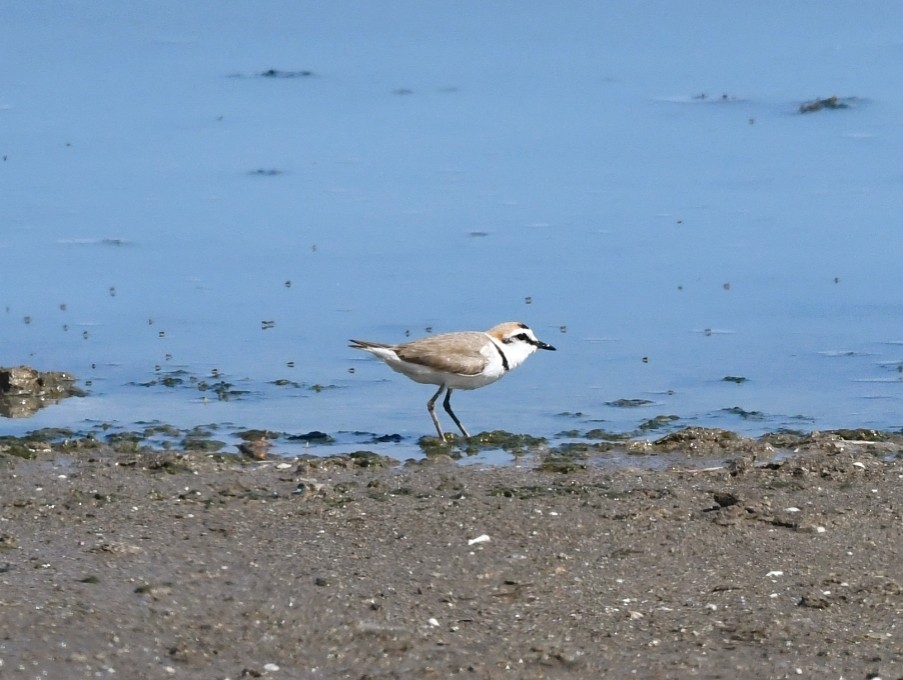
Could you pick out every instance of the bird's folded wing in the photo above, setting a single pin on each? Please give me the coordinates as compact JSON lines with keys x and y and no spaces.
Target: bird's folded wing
{"x":459,"y":353}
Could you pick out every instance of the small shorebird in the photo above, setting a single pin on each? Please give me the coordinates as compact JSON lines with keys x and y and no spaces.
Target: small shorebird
{"x":458,"y":361}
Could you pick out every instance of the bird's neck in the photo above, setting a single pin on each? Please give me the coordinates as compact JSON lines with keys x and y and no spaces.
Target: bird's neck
{"x":513,"y":354}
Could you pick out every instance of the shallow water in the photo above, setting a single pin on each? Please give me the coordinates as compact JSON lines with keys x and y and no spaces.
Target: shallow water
{"x":634,"y":182}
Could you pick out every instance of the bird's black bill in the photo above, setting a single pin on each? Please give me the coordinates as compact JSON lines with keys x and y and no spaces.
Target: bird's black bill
{"x":543,"y":345}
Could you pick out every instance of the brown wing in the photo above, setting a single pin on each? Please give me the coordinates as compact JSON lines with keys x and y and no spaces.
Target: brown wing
{"x":453,"y":352}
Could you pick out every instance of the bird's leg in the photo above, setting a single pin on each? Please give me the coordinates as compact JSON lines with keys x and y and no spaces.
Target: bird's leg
{"x":447,"y":405}
{"x":431,"y":407}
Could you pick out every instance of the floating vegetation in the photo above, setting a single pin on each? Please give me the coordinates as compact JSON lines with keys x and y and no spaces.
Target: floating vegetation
{"x":724,"y":97}
{"x":830,"y":103}
{"x":202,"y":444}
{"x":320,"y":388}
{"x":387,"y":438}
{"x":119,"y":439}
{"x":278,"y":73}
{"x":628,"y":403}
{"x":254,"y":435}
{"x":603,"y":434}
{"x":224,"y":390}
{"x":312,"y":437}
{"x":657,"y":423}
{"x":746,"y":415}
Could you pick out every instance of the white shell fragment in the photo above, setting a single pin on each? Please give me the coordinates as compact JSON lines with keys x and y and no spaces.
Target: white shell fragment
{"x":482,"y":538}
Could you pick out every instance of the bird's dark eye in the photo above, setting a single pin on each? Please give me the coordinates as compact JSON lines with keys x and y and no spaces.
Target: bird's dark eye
{"x":523,"y":337}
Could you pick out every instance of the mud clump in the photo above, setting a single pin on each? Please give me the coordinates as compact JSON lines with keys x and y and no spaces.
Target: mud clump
{"x":701,"y":441}
{"x":25,"y":390}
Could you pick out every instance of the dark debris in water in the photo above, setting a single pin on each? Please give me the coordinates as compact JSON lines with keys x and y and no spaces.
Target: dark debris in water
{"x":254,"y":435}
{"x":387,"y":438}
{"x":829,"y":103}
{"x":743,"y":413}
{"x":218,"y":386}
{"x":202,"y":444}
{"x":628,"y":403}
{"x":657,"y":423}
{"x":278,"y":73}
{"x":600,"y":433}
{"x":724,"y":97}
{"x":314,"y":436}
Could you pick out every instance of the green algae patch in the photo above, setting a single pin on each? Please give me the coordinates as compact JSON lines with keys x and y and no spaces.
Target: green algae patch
{"x":657,"y":423}
{"x":255,"y":435}
{"x":864,"y":435}
{"x":581,"y":449}
{"x":743,"y":413}
{"x":833,"y":103}
{"x":202,"y":444}
{"x":127,"y":442}
{"x":500,"y":439}
{"x":628,"y":403}
{"x":50,"y":434}
{"x":457,"y":447}
{"x":313,"y":437}
{"x":169,"y":463}
{"x":606,"y":435}
{"x":370,"y":459}
{"x":20,"y":447}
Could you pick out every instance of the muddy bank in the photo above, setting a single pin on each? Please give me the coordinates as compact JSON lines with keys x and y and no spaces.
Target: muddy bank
{"x":25,"y":390}
{"x":164,"y":564}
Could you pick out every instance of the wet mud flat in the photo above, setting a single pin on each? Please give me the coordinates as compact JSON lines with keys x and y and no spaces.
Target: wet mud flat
{"x":193,"y":565}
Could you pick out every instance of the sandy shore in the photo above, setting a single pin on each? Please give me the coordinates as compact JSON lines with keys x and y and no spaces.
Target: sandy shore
{"x":155,"y":565}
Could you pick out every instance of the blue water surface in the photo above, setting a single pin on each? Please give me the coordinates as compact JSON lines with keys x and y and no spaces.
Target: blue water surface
{"x":224,"y":193}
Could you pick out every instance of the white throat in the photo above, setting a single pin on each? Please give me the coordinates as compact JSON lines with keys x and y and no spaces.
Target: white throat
{"x":515,"y":352}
